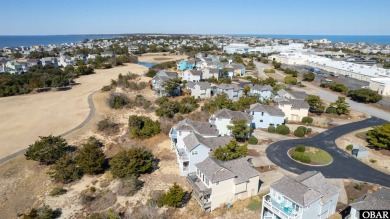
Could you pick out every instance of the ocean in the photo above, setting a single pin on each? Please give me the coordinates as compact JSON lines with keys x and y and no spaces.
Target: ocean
{"x":372,"y":39}
{"x":14,"y":41}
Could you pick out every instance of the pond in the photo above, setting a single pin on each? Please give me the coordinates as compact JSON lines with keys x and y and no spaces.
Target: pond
{"x":146,"y":64}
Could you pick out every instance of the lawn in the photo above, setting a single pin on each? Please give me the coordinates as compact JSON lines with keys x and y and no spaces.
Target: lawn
{"x":317,"y":156}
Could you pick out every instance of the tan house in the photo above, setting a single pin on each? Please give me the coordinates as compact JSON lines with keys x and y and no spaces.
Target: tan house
{"x":217,"y":183}
{"x":294,"y":109}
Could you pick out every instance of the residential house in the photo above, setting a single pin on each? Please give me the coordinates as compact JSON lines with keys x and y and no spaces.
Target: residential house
{"x":217,"y":183}
{"x":211,"y":73}
{"x":290,"y":94}
{"x":200,"y":90}
{"x":224,"y":118}
{"x":294,"y":109}
{"x":196,"y":149}
{"x":379,"y":200}
{"x":109,"y":54}
{"x":238,"y":69}
{"x":92,"y":56}
{"x":157,"y":83}
{"x":185,"y":128}
{"x":230,"y":72}
{"x":264,"y":92}
{"x":265,"y":116}
{"x":233,"y":91}
{"x":192,"y":75}
{"x":49,"y":60}
{"x":186,"y":64}
{"x":307,"y":196}
{"x":13,"y":67}
{"x":65,"y":60}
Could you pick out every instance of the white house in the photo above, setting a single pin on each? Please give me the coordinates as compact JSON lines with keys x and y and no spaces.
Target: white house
{"x":13,"y":67}
{"x":199,"y":90}
{"x":192,"y":75}
{"x":379,"y":200}
{"x":196,"y":149}
{"x":233,"y":91}
{"x":183,"y":129}
{"x":265,"y":116}
{"x":290,"y":94}
{"x":211,"y":73}
{"x":217,"y":183}
{"x":65,"y":60}
{"x":49,"y":60}
{"x":109,"y":54}
{"x":307,"y":196}
{"x":264,"y":92}
{"x":294,"y":109}
{"x":224,"y":118}
{"x":158,"y":81}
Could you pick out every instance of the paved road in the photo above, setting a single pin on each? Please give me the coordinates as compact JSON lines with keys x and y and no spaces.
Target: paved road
{"x":260,"y":69}
{"x":331,"y":97}
{"x":344,"y":165}
{"x":92,"y":111}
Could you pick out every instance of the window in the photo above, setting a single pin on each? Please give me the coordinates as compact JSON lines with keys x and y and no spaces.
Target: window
{"x":262,"y":113}
{"x":253,"y":113}
{"x":179,"y":133}
{"x":197,"y":172}
{"x":207,"y":181}
{"x":194,"y":153}
{"x":261,"y":120}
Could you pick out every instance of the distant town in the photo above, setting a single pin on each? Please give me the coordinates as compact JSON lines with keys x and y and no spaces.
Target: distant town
{"x":195,"y":126}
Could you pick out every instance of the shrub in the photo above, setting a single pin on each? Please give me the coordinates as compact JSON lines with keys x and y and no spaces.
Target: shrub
{"x":359,"y":186}
{"x":299,"y":132}
{"x":143,"y":127}
{"x":310,"y":76}
{"x":379,"y":136}
{"x":349,"y":147}
{"x":300,"y":157}
{"x":271,"y":129}
{"x":65,"y":170}
{"x":108,"y":126}
{"x":282,"y":129}
{"x":331,"y":110}
{"x":373,"y":160}
{"x":44,"y":212}
{"x":252,"y":140}
{"x":91,"y":158}
{"x":57,"y":191}
{"x":269,"y":70}
{"x":300,"y":148}
{"x":117,"y":101}
{"x":106,"y":88}
{"x":132,"y":162}
{"x":290,"y":80}
{"x":307,"y":119}
{"x":338,"y":87}
{"x":364,"y":95}
{"x":174,"y":197}
{"x":47,"y":150}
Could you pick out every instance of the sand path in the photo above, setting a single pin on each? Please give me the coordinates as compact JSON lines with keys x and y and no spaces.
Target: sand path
{"x":24,"y":118}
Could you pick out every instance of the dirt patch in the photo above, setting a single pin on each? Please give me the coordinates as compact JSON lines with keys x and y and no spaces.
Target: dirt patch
{"x":357,"y":189}
{"x":264,"y":169}
{"x":254,"y":153}
{"x":378,"y":159}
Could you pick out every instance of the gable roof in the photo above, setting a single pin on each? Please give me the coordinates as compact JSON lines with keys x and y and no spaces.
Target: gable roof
{"x":170,"y":74}
{"x":306,"y":188}
{"x":195,"y":72}
{"x":224,"y":86}
{"x":271,"y":110}
{"x":233,"y":115}
{"x":261,"y":87}
{"x":203,"y":85}
{"x":239,"y":169}
{"x":192,"y":140}
{"x":379,"y":200}
{"x":296,"y":104}
{"x":202,"y":128}
{"x":300,"y":95}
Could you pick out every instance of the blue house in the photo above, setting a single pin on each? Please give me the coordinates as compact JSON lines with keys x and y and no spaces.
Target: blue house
{"x":265,"y":116}
{"x":186,"y":64}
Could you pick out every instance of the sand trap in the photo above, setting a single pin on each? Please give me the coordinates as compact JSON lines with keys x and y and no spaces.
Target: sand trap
{"x":24,"y":118}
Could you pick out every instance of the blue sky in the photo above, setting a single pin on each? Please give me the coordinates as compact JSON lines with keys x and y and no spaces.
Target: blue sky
{"x":332,"y":17}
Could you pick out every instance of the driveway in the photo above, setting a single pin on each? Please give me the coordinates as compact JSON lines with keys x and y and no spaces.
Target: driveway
{"x":344,"y":165}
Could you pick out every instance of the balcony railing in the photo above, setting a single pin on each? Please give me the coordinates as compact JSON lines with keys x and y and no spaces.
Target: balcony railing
{"x":182,"y":154}
{"x":281,"y":211}
{"x":201,"y":192}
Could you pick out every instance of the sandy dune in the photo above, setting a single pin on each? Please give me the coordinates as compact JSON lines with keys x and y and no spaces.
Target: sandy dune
{"x":24,"y":118}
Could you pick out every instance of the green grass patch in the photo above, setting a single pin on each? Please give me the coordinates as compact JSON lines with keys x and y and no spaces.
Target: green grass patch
{"x":362,"y":135}
{"x":254,"y":205}
{"x":316,"y":155}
